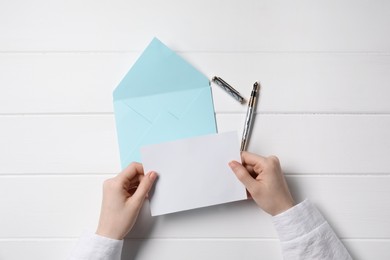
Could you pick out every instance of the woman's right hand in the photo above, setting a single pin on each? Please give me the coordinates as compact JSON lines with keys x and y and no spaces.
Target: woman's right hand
{"x":264,"y":180}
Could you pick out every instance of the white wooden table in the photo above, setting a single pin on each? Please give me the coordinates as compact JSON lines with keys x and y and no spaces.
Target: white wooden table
{"x":324,"y":110}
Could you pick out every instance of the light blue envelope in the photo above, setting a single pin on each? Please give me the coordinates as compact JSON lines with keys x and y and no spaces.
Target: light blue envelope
{"x":162,"y":98}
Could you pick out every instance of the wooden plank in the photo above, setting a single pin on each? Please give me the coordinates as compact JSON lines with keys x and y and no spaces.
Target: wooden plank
{"x":315,"y":60}
{"x":60,"y":83}
{"x":306,"y":144}
{"x":36,"y":249}
{"x":139,"y":249}
{"x":266,"y":25}
{"x":184,"y":249}
{"x":237,"y":249}
{"x":63,"y":206}
{"x":330,"y":144}
{"x":58,"y":144}
{"x":201,"y":249}
{"x":291,"y":82}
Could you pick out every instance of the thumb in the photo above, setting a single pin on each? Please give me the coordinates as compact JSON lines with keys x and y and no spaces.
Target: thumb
{"x":243,"y":175}
{"x":144,"y":187}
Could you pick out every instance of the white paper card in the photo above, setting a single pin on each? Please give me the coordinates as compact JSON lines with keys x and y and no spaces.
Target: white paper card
{"x":193,"y":173}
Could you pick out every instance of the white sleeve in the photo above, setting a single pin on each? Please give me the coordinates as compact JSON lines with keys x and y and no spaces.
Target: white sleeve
{"x":305,"y":234}
{"x":92,"y":246}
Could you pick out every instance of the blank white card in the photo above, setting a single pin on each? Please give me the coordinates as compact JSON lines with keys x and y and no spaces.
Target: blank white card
{"x":193,"y":173}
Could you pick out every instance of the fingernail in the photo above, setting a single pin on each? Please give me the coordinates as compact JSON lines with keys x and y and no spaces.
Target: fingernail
{"x":152,"y":176}
{"x":233,"y":164}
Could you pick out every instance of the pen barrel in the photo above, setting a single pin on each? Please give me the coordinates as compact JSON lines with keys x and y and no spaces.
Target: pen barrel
{"x":249,"y":116}
{"x":248,"y":122}
{"x":228,"y":88}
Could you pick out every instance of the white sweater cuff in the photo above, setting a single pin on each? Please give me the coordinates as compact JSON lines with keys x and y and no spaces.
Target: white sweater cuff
{"x":92,"y":246}
{"x":297,"y":221}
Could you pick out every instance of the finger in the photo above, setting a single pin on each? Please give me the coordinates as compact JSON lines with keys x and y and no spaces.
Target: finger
{"x":136,"y":180}
{"x":251,"y":158}
{"x":131,"y":171}
{"x":144,"y":187}
{"x":251,"y":170}
{"x":243,"y":175}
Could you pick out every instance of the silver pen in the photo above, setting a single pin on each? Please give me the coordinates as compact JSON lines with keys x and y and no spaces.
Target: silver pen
{"x":249,"y":116}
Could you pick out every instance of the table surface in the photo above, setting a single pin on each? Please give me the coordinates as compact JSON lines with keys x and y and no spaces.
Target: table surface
{"x":324,"y":108}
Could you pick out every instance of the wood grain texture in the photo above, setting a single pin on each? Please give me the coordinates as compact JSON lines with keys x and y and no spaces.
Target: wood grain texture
{"x":266,"y":25}
{"x":324,"y":67}
{"x":291,"y":82}
{"x":306,"y":144}
{"x":166,"y":249}
{"x":62,"y":206}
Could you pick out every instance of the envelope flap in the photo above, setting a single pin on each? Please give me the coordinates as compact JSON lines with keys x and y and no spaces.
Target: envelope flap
{"x":161,"y":98}
{"x":159,"y":70}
